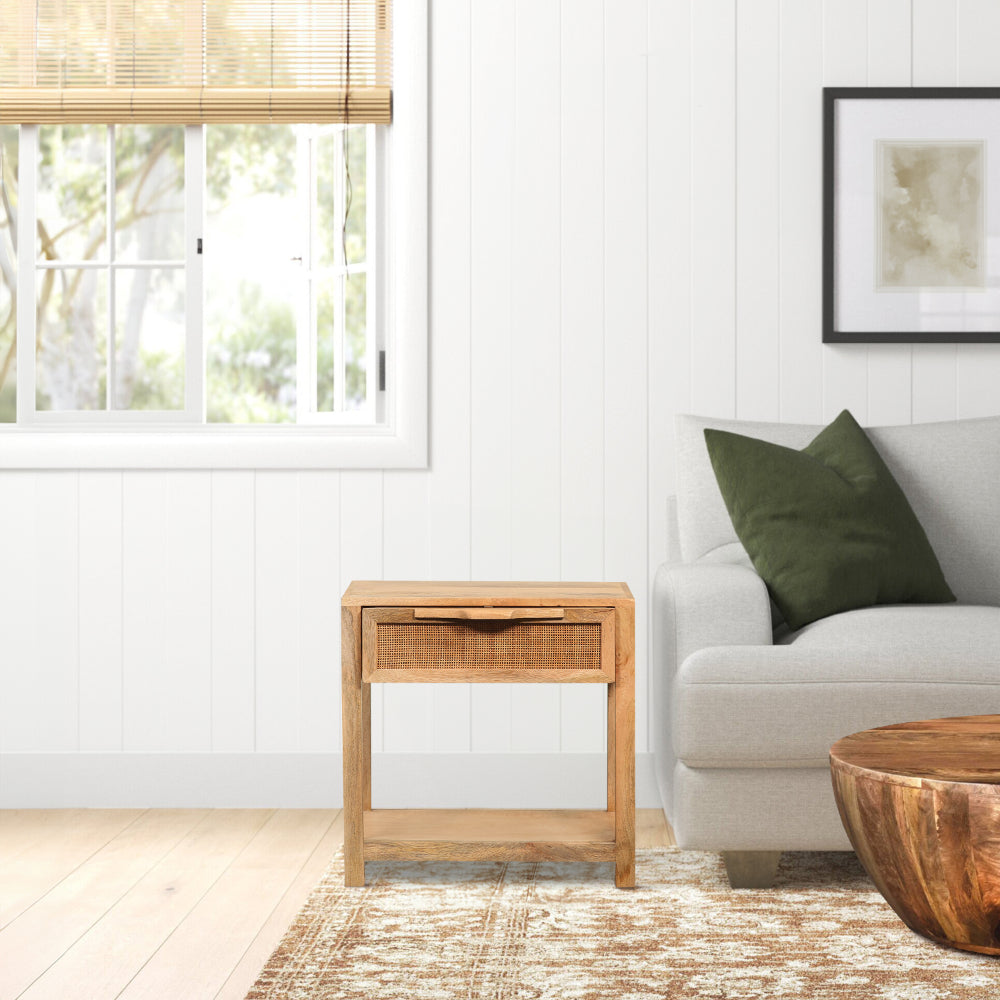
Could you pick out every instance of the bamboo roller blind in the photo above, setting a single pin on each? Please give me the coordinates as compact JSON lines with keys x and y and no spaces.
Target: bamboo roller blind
{"x":192,"y":61}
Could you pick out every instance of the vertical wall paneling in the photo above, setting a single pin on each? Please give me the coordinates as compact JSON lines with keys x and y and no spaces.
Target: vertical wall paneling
{"x":890,"y":366}
{"x":625,"y":224}
{"x":800,"y":347}
{"x":319,"y":612}
{"x":451,"y":244}
{"x":188,"y":594}
{"x":49,"y":714}
{"x":494,"y":222}
{"x":448,"y":478}
{"x":978,"y":35}
{"x":166,"y":560}
{"x":889,"y":43}
{"x":669,"y":118}
{"x":233,"y":612}
{"x":625,"y":342}
{"x":408,"y":709}
{"x":582,"y":707}
{"x":757,"y":208}
{"x":100,"y":610}
{"x":23,"y":696}
{"x":845,"y":64}
{"x":361,"y":526}
{"x":978,"y":27}
{"x":146,"y":681}
{"x":536,"y":294}
{"x":713,"y":197}
{"x":935,"y":42}
{"x":277,"y":551}
{"x":935,"y":64}
{"x":535,"y":338}
{"x":582,"y":247}
{"x":935,"y":382}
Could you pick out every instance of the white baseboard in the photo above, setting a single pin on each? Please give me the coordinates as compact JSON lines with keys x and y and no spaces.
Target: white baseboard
{"x":310,"y":780}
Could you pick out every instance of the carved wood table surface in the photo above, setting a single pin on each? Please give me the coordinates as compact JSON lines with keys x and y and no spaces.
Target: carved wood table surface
{"x":921,"y":804}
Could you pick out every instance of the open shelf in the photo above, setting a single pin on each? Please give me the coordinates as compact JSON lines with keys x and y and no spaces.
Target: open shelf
{"x":490,"y":834}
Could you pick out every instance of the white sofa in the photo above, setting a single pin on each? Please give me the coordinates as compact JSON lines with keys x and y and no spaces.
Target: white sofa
{"x":745,"y":715}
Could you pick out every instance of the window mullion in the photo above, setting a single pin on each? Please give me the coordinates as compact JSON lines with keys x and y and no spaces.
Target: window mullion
{"x":26,"y":313}
{"x":305,"y":312}
{"x":111,"y":368}
{"x":340,"y":263}
{"x":371,"y":274}
{"x":195,"y":404}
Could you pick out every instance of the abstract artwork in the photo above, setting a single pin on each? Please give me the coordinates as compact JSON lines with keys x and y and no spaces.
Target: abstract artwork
{"x":930,"y":216}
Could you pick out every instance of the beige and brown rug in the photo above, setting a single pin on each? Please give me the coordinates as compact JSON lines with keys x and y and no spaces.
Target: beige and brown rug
{"x":531,"y":932}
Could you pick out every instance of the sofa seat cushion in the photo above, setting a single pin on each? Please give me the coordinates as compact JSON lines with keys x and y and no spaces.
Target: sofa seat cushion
{"x":785,"y":705}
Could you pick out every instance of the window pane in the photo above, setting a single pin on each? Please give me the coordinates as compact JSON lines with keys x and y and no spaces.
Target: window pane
{"x":328,"y":230}
{"x":355,"y":342}
{"x":356,"y":187}
{"x":71,"y":353}
{"x":333,"y":191}
{"x":8,"y":272}
{"x":341,"y":306}
{"x":149,"y":339}
{"x":327,"y":345}
{"x":149,"y":192}
{"x":254,"y":231}
{"x":72,"y":220}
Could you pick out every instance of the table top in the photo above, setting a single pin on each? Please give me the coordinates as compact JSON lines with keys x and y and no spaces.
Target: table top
{"x":484,"y":593}
{"x":962,"y":749}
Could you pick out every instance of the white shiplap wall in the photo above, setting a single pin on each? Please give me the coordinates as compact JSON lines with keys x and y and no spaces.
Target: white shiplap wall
{"x":625,"y":224}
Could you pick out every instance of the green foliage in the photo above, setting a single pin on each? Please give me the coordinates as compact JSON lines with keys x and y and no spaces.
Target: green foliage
{"x":355,"y":313}
{"x":251,"y":362}
{"x":249,"y":157}
{"x":8,"y":402}
{"x":157,"y":376}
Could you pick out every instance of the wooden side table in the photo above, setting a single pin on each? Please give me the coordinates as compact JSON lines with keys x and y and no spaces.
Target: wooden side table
{"x":488,"y":632}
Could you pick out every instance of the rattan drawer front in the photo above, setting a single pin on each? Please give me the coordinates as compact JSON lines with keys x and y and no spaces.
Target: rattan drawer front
{"x":577,"y":646}
{"x":447,"y":646}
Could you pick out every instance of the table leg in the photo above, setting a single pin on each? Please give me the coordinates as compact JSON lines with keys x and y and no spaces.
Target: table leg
{"x":624,"y":700}
{"x":356,"y":752}
{"x":366,"y":744}
{"x":611,"y":748}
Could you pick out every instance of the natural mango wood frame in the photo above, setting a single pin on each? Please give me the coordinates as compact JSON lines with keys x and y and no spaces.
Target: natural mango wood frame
{"x":489,"y":834}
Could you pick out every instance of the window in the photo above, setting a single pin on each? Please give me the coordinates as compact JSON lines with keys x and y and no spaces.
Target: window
{"x":275,"y":222}
{"x":222,"y":293}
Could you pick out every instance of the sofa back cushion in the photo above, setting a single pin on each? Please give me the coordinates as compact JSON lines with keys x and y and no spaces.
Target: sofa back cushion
{"x":950,"y":473}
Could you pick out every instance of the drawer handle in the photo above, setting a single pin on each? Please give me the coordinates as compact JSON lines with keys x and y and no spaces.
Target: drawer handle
{"x":490,"y":614}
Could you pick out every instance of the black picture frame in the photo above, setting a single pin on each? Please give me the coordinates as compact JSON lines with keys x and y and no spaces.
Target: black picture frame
{"x":933,"y":314}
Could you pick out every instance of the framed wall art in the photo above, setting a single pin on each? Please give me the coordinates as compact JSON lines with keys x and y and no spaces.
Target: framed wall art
{"x":911,"y":214}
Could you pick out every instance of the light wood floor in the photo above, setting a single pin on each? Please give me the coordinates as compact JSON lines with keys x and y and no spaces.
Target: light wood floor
{"x":162,"y":904}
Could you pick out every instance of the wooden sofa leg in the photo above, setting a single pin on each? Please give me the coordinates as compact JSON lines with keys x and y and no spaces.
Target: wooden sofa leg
{"x":751,"y":869}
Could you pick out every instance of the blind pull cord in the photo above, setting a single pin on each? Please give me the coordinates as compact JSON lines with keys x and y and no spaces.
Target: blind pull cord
{"x":346,"y":146}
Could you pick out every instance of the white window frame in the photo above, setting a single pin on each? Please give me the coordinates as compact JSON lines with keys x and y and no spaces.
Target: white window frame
{"x":399,"y":437}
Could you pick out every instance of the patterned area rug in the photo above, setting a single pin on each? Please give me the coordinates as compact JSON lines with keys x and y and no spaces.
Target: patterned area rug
{"x":438,"y":931}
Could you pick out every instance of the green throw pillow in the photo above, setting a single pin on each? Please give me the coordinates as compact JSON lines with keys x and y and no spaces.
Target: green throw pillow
{"x":827,"y":528}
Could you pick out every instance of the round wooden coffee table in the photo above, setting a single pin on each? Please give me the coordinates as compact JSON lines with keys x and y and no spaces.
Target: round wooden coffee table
{"x":921,"y":804}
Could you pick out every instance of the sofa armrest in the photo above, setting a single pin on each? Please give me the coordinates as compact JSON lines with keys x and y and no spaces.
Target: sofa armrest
{"x":696,"y":605}
{"x":702,"y":604}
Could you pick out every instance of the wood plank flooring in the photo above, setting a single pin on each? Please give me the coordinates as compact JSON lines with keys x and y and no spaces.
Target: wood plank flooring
{"x":162,"y":904}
